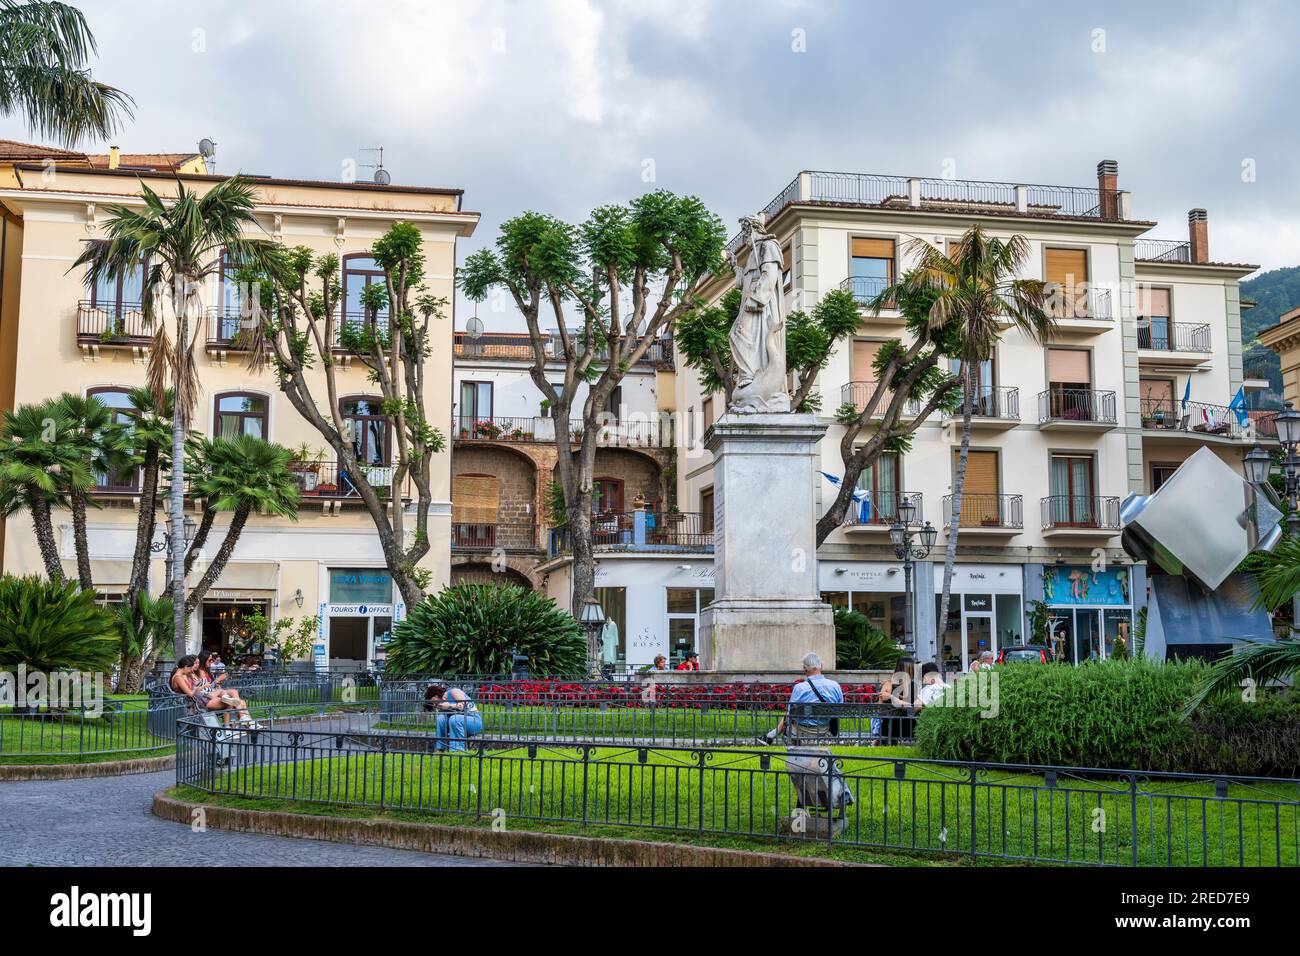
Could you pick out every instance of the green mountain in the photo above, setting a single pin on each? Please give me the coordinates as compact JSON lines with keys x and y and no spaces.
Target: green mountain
{"x":1274,"y":292}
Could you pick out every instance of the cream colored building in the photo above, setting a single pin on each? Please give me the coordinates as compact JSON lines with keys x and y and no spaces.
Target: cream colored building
{"x":1284,"y":339}
{"x":1140,"y":374}
{"x":56,"y":335}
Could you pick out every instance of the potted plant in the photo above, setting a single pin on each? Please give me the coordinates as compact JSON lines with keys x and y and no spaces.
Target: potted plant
{"x":546,"y":408}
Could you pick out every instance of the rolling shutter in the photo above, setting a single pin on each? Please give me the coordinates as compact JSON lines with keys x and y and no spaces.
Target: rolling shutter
{"x":873,"y":248}
{"x":1068,"y":367}
{"x":1067,"y":267}
{"x":475,"y":499}
{"x":864,"y":354}
{"x":1153,"y":302}
{"x":981,"y":473}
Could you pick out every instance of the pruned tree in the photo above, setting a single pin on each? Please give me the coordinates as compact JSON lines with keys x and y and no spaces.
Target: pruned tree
{"x":298,"y":325}
{"x":612,"y":286}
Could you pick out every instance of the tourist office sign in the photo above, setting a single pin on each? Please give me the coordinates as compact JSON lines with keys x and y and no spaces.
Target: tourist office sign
{"x":359,"y":610}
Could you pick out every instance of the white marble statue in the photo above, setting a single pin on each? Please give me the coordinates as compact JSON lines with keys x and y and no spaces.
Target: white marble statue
{"x":758,"y":333}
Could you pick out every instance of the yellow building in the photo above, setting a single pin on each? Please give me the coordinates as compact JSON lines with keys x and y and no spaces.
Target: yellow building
{"x":1284,"y":339}
{"x":56,"y":335}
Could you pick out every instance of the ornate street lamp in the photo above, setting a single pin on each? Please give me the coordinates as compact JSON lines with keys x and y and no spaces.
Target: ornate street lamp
{"x":1288,"y":427}
{"x":1258,"y":464}
{"x":911,"y":544}
{"x":592,"y":619}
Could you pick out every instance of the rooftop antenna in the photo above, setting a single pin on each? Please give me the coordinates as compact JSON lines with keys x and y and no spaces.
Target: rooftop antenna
{"x":208,"y":150}
{"x":381,"y":177}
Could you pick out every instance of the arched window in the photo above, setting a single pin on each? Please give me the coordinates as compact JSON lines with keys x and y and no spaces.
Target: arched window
{"x":119,"y":401}
{"x":369,"y":430}
{"x":241,"y":413}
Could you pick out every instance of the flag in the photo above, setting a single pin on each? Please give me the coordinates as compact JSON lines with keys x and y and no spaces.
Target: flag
{"x":863,"y":498}
{"x":1238,"y":406}
{"x":1187,"y":396}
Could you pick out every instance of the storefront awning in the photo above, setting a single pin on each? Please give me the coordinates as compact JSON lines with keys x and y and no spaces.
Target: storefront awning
{"x":248,"y":576}
{"x":1181,"y":612}
{"x":108,"y":575}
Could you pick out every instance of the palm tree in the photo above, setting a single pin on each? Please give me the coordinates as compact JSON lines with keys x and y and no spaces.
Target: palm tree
{"x":38,"y":464}
{"x":240,"y":475}
{"x":180,"y":242}
{"x":143,"y":624}
{"x":102,"y":444}
{"x":150,"y":432}
{"x":976,"y":293}
{"x":44,"y":47}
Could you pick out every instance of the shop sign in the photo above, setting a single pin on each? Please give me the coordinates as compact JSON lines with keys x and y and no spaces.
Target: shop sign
{"x":360,"y":586}
{"x":360,"y":610}
{"x":1081,"y":586}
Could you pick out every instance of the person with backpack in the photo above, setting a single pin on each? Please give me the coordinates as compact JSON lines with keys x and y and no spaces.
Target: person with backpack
{"x":813,"y":689}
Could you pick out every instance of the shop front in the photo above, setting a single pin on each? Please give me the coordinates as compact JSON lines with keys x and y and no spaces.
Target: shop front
{"x":873,"y":589}
{"x":357,"y":619}
{"x":985,"y":611}
{"x":1090,"y":611}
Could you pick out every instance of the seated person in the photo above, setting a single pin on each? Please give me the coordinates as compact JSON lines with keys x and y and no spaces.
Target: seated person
{"x":932,"y":686}
{"x":661,"y":663}
{"x":691,"y":663}
{"x":202,"y":696}
{"x":458,"y":716}
{"x":814,"y":688}
{"x":213,"y":680}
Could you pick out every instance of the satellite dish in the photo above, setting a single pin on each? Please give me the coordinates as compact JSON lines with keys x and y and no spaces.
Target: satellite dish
{"x":207,"y":148}
{"x":382,"y":177}
{"x":474,"y":327}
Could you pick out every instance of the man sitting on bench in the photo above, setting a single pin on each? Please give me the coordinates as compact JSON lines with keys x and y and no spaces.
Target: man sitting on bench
{"x":814,"y":688}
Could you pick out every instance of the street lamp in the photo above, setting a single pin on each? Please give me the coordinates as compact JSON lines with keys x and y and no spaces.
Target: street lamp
{"x":911,"y":544}
{"x":190,"y":528}
{"x":1258,"y":464}
{"x":592,"y":619}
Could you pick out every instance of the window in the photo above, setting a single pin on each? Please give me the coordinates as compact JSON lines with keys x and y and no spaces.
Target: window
{"x":981,"y":501}
{"x":1157,"y":403}
{"x":881,"y":482}
{"x":1160,"y":474}
{"x":119,"y":401}
{"x":232,"y":310}
{"x":1071,"y":485}
{"x":613,"y":601}
{"x":241,"y":413}
{"x":985,"y":392}
{"x":368,"y":430}
{"x":121,"y":293}
{"x":787,"y":270}
{"x":683,"y":609}
{"x":607,"y":495}
{"x":359,"y":272}
{"x":706,"y":511}
{"x":614,"y":404}
{"x":1069,"y":376}
{"x":1066,"y":271}
{"x":1154,"y":312}
{"x":475,"y":406}
{"x":871,"y":267}
{"x":690,"y":427}
{"x":706,"y":407}
{"x":475,"y":502}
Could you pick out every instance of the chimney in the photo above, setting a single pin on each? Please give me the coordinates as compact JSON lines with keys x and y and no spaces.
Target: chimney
{"x":1198,"y":232}
{"x":1108,"y":188}
{"x":114,"y":157}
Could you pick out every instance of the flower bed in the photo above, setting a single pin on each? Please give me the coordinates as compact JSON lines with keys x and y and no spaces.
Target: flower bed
{"x":735,"y":695}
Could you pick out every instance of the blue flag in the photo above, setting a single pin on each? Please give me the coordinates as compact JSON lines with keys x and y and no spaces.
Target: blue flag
{"x":861,"y":497}
{"x":1238,"y":405}
{"x":1187,"y":394}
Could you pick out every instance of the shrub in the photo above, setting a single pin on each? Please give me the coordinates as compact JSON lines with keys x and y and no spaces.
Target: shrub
{"x":49,"y":626}
{"x":475,"y":629}
{"x":859,"y":646}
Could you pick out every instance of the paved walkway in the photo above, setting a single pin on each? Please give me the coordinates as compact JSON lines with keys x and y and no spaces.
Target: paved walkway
{"x":105,"y":821}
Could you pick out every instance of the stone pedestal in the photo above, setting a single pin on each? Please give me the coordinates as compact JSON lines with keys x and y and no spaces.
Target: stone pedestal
{"x":767,"y":612}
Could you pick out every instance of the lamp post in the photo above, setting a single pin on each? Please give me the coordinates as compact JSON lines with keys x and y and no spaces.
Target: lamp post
{"x":592,"y":620}
{"x":166,"y":545}
{"x":911,"y":544}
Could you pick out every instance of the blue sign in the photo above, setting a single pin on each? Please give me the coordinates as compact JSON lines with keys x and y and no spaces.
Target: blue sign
{"x":1081,"y":586}
{"x":361,"y":586}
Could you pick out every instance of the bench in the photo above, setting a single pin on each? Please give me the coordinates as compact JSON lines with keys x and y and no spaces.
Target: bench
{"x":869,"y":724}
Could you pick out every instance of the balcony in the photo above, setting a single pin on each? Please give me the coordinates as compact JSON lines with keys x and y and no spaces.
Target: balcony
{"x":519,"y":347}
{"x":504,"y":536}
{"x":112,"y":325}
{"x":1080,"y":516}
{"x":878,"y":512}
{"x":1082,"y":310}
{"x":985,"y":514}
{"x":324,"y":482}
{"x":996,"y":408}
{"x":864,"y":290}
{"x":858,"y":394}
{"x":1162,"y":342}
{"x":1076,"y":409}
{"x":641,"y":531}
{"x":1162,"y":250}
{"x":1166,"y":420}
{"x":634,"y":433}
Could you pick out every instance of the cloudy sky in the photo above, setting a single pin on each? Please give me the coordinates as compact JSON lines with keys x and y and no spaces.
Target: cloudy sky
{"x":561,"y":105}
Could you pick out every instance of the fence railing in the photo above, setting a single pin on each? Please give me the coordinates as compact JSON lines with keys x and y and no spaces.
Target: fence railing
{"x":994,"y":401}
{"x":506,"y":535}
{"x":1173,"y":336}
{"x":325,"y":480}
{"x":520,"y":346}
{"x":801,"y":793}
{"x":113,"y":323}
{"x":987,"y":511}
{"x":1202,"y":418}
{"x":641,"y":531}
{"x":858,"y":394}
{"x":1076,"y":405}
{"x":880,"y":509}
{"x":1162,"y":250}
{"x":1081,"y":301}
{"x":865,"y":289}
{"x":1080,"y":511}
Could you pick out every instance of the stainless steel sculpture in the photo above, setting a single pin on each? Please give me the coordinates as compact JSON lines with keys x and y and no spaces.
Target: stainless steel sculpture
{"x":1202,"y":521}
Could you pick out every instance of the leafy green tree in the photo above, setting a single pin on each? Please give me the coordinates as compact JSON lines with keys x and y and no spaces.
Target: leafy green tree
{"x":477,"y":628}
{"x":181,"y":242}
{"x":54,"y":626}
{"x":144,"y":626}
{"x":44,"y":48}
{"x":859,"y":646}
{"x":611,"y":286}
{"x":237,"y":475}
{"x":295,"y":330}
{"x":975,"y":294}
{"x":103,"y":445}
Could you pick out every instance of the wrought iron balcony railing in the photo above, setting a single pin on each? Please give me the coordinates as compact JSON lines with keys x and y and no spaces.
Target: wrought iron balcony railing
{"x":880,"y":510}
{"x":858,"y":394}
{"x":1162,"y":250}
{"x":1167,"y":336}
{"x":1080,"y":511}
{"x":1076,"y":405}
{"x":505,"y":535}
{"x":986,"y":511}
{"x":112,"y":323}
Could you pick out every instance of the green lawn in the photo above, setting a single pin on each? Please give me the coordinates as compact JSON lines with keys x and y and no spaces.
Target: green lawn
{"x":72,"y":738}
{"x":731,"y":796}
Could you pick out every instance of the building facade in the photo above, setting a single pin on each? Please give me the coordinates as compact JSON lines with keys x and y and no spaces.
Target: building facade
{"x":57,"y":335}
{"x":1142,"y":368}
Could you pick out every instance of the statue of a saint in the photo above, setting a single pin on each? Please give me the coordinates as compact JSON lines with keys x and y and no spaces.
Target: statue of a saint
{"x":758,"y":333}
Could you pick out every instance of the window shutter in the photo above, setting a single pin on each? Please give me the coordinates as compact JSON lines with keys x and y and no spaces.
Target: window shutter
{"x":1068,"y":366}
{"x":873,"y":248}
{"x":864,"y":354}
{"x":475,"y":499}
{"x":981,"y":473}
{"x":1067,"y":267}
{"x":1153,"y":302}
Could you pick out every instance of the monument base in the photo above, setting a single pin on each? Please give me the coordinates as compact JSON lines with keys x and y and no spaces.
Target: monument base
{"x":766,"y":635}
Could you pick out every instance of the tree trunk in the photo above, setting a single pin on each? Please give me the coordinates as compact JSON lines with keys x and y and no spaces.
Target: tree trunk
{"x":43,"y":526}
{"x":954,"y":521}
{"x":176,"y":511}
{"x":218,"y":562}
{"x":144,"y":525}
{"x":77,"y":501}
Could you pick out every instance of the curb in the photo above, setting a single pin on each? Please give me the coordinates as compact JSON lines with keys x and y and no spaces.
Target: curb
{"x":516,"y":846}
{"x":71,"y":771}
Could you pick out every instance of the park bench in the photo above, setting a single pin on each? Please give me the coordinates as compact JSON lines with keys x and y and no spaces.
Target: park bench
{"x":860,"y":724}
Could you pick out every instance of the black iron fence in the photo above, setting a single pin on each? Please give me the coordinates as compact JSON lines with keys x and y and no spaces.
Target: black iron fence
{"x":113,"y":323}
{"x":803,"y":793}
{"x":1166,"y":336}
{"x":859,"y":395}
{"x":1076,"y":405}
{"x":1080,"y":511}
{"x":987,"y":511}
{"x":880,"y":509}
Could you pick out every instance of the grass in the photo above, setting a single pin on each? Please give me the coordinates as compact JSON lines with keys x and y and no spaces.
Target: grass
{"x":74,"y":738}
{"x":733,"y":797}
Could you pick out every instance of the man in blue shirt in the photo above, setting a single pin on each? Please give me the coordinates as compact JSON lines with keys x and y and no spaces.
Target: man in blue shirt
{"x":814,"y":688}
